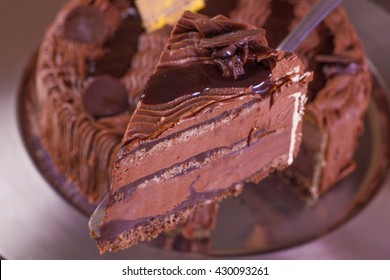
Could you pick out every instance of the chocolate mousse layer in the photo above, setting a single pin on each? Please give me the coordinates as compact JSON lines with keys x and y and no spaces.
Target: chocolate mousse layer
{"x":221,"y":109}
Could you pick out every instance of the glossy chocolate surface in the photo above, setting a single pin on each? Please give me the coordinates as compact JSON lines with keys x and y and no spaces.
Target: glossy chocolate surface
{"x":194,"y":79}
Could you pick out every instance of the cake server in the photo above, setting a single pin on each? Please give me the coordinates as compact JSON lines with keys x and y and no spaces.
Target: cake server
{"x":309,"y":22}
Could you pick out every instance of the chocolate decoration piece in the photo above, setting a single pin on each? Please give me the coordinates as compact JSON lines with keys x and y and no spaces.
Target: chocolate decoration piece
{"x":119,"y":50}
{"x":105,"y":96}
{"x":200,"y":117}
{"x":214,"y":8}
{"x":85,"y":24}
{"x":339,"y":94}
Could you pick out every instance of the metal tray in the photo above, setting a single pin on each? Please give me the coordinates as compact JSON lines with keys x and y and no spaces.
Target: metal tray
{"x":37,"y":223}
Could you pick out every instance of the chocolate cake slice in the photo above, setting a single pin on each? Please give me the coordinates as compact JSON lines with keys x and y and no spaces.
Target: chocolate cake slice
{"x":221,"y":109}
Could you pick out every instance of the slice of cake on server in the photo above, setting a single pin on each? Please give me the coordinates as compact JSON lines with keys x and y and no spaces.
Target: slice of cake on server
{"x":221,"y":109}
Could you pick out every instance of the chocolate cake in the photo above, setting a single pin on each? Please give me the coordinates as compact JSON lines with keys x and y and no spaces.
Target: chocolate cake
{"x":95,"y":43}
{"x":221,"y":109}
{"x":90,"y":47}
{"x":84,"y":101}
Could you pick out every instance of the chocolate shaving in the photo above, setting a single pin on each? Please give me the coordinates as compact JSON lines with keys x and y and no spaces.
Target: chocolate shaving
{"x":334,"y":59}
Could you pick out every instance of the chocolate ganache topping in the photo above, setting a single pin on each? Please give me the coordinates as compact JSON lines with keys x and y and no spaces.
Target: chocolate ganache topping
{"x":217,"y":52}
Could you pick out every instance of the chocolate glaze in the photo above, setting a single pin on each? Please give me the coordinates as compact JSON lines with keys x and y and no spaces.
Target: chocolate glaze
{"x":194,"y":79}
{"x":85,"y":24}
{"x":232,"y":47}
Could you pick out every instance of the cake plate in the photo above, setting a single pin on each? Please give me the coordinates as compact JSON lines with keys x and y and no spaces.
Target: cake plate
{"x":37,"y":223}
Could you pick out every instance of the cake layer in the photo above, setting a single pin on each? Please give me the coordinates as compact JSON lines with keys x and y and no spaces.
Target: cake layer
{"x":221,"y":109}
